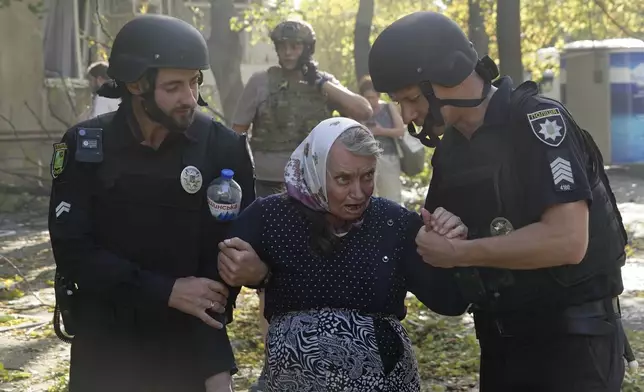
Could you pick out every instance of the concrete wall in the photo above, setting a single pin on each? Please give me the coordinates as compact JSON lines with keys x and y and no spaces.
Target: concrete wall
{"x":27,"y":126}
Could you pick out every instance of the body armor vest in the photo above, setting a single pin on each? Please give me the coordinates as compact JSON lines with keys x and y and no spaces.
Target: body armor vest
{"x":291,"y":112}
{"x":479,"y":182}
{"x":159,"y":210}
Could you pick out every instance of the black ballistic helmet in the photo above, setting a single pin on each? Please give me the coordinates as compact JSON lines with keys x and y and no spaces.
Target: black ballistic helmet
{"x":156,"y":41}
{"x":425,"y":48}
{"x":295,"y":30}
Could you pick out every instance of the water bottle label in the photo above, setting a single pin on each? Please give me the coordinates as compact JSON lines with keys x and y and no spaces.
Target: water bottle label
{"x":223,"y":212}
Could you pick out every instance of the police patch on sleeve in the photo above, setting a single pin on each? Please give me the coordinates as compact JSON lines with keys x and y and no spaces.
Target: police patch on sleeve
{"x":59,"y":159}
{"x":548,"y":126}
{"x":561,"y":168}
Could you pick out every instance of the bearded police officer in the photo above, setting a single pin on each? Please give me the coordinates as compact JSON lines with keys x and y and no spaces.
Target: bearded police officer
{"x":134,"y":242}
{"x":284,"y":103}
{"x":541,"y":266}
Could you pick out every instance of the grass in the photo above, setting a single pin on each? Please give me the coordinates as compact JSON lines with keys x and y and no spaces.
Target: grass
{"x":7,"y":375}
{"x":446,"y":349}
{"x":9,"y":288}
{"x":634,"y":382}
{"x":7,"y":320}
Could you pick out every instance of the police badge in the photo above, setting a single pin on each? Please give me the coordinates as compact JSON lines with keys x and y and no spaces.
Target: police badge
{"x":548,"y":126}
{"x":500,"y":226}
{"x":191,"y":179}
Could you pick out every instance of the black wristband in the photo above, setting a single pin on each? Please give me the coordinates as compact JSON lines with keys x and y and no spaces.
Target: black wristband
{"x":264,"y":281}
{"x":321,"y":82}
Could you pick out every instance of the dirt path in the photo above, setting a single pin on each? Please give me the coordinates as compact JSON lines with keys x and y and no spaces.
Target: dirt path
{"x":42,"y":358}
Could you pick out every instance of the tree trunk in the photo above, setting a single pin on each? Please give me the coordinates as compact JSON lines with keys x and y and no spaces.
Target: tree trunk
{"x":508,"y":33}
{"x":361,"y":35}
{"x":225,"y":56}
{"x":476,"y":27}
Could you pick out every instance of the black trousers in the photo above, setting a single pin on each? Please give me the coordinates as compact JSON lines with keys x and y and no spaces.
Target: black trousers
{"x":170,"y":357}
{"x":554,"y":363}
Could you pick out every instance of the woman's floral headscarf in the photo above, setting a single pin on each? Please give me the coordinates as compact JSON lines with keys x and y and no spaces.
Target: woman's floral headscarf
{"x":305,"y":173}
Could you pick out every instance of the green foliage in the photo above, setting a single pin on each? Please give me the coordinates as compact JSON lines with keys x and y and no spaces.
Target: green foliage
{"x":37,"y":7}
{"x":60,"y":376}
{"x":634,"y":381}
{"x":246,"y":338}
{"x":446,"y":349}
{"x":12,"y":375}
{"x":545,"y":23}
{"x":8,"y":320}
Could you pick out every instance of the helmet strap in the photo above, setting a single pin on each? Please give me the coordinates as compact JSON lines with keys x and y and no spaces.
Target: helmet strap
{"x":434,"y":117}
{"x":153,"y":110}
{"x":157,"y":115}
{"x":306,"y":57}
{"x":200,"y":100}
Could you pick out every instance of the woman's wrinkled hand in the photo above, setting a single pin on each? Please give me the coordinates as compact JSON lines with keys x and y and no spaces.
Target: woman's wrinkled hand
{"x":444,"y":223}
{"x":239,"y":265}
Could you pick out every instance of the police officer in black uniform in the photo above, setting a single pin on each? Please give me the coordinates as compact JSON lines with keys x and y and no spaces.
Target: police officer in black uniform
{"x":541,"y":265}
{"x":134,"y":241}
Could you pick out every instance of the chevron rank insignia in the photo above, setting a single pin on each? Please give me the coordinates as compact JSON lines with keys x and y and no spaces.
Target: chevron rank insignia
{"x":548,"y":126}
{"x":562,"y":171}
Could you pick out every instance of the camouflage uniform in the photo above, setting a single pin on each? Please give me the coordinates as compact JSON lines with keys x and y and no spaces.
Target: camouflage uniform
{"x":293,"y":108}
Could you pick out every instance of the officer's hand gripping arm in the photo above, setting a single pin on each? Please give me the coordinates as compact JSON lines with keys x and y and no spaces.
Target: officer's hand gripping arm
{"x":435,"y":287}
{"x":552,"y":165}
{"x":78,"y":257}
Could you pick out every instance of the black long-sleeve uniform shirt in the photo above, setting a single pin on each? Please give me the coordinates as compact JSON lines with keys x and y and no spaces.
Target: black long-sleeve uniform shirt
{"x":125,"y":228}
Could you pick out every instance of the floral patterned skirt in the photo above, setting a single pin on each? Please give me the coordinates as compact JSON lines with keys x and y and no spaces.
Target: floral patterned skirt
{"x":331,"y":350}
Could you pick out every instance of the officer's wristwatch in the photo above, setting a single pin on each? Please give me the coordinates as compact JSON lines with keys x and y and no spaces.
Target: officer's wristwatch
{"x":264,"y":281}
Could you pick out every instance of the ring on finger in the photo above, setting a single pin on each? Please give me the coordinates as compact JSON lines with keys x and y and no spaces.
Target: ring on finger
{"x":212,"y":305}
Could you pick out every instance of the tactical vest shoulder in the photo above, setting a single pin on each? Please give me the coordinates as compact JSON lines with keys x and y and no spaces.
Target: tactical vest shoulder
{"x":491,"y":174}
{"x":604,"y":212}
{"x":291,"y":111}
{"x":607,"y":234}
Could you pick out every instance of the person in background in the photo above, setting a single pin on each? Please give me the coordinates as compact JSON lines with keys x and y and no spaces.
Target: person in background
{"x":340,"y":265}
{"x":284,"y":103}
{"x":387,"y":126}
{"x":96,"y":76}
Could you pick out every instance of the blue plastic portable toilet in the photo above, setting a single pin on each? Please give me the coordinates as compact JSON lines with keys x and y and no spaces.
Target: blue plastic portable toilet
{"x":602,"y":84}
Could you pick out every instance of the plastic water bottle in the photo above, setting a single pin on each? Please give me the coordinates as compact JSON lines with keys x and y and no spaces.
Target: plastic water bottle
{"x":224,"y":196}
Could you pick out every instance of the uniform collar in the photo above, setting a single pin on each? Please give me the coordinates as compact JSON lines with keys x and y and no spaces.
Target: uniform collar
{"x":497,"y":110}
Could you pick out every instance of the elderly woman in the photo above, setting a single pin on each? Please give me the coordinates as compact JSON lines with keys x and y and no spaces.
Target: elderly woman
{"x":341,"y":263}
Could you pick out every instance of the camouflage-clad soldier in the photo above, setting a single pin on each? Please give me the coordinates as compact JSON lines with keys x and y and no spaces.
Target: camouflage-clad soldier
{"x":284,"y":103}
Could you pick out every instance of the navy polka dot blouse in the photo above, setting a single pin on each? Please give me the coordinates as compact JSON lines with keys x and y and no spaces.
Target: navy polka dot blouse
{"x":370,"y":271}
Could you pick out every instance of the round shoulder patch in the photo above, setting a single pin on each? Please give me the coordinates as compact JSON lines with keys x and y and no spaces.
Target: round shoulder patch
{"x":548,"y":125}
